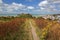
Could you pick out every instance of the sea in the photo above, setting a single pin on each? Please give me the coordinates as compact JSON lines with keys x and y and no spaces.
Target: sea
{"x":17,"y":14}
{"x":8,"y":14}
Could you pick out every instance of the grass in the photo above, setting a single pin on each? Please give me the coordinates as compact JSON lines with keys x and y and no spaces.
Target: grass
{"x":45,"y":29}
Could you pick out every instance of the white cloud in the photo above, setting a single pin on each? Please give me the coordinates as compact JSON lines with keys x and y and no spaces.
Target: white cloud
{"x":17,"y":6}
{"x":43,"y":3}
{"x":54,"y":1}
{"x":42,"y":8}
{"x":49,"y":5}
{"x":1,"y":1}
{"x":30,"y":7}
{"x":11,"y":8}
{"x":14,"y":7}
{"x":46,"y":5}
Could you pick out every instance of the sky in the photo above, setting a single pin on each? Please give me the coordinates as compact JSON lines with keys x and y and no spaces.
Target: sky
{"x":30,"y":6}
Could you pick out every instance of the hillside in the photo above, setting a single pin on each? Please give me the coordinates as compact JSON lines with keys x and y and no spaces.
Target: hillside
{"x":29,"y":29}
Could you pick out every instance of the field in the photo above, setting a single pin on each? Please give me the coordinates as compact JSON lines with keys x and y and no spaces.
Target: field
{"x":49,"y":30}
{"x":29,"y":29}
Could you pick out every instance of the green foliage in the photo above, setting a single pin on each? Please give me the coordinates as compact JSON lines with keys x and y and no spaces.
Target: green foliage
{"x":40,"y":18}
{"x":25,"y":15}
{"x":7,"y":18}
{"x":49,"y":19}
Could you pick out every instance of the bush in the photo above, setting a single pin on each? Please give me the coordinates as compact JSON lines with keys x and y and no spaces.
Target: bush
{"x":10,"y":30}
{"x":24,"y":15}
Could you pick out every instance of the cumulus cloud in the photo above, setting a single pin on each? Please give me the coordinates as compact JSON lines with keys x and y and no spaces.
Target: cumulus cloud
{"x":43,"y":3}
{"x":46,"y":5}
{"x":30,"y":7}
{"x":1,"y":1}
{"x":54,"y":1}
{"x":11,"y":8}
{"x":14,"y":8}
{"x":50,"y":5}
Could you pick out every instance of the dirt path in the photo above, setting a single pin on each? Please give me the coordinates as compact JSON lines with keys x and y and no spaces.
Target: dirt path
{"x":35,"y":37}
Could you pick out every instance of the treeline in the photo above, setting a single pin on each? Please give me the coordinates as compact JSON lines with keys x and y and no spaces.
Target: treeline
{"x":23,"y":15}
{"x":6,"y":18}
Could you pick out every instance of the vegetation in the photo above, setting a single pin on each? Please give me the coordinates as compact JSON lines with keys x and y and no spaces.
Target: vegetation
{"x":25,"y":15}
{"x":18,"y":28}
{"x":10,"y":30}
{"x":49,"y":30}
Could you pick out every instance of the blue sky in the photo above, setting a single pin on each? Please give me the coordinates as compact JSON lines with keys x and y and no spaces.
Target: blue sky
{"x":25,"y":2}
{"x":30,"y":6}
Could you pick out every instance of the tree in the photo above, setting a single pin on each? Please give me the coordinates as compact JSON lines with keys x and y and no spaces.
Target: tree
{"x":24,"y":15}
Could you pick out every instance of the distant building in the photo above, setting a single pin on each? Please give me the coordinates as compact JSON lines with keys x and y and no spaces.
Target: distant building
{"x":53,"y":17}
{"x":49,"y":16}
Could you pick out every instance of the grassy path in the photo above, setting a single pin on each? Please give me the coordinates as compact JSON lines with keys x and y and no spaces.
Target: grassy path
{"x":33,"y":30}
